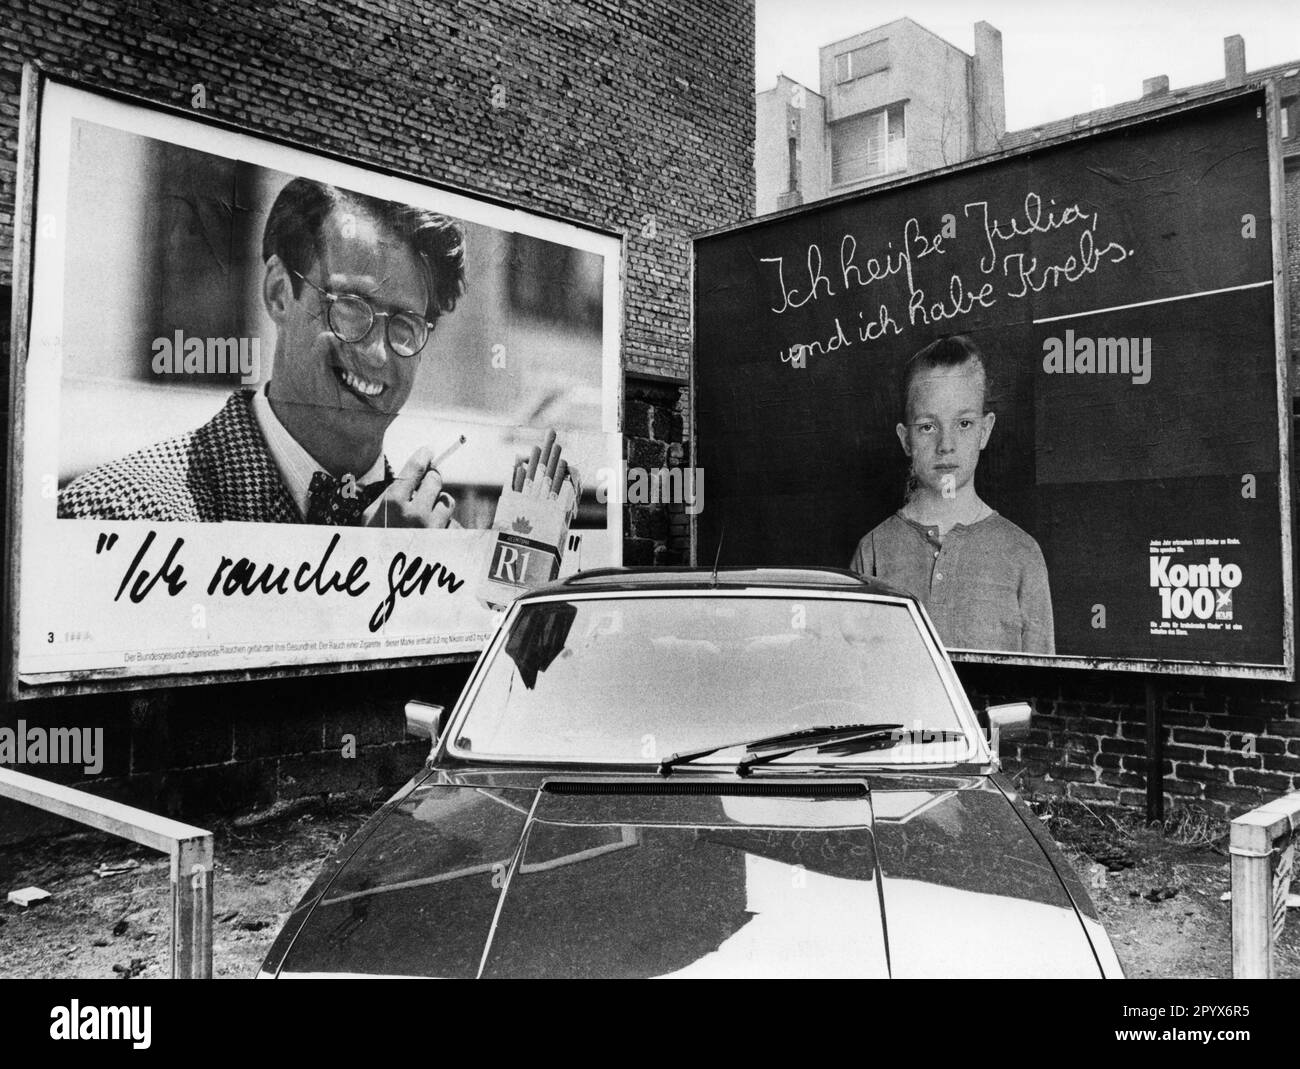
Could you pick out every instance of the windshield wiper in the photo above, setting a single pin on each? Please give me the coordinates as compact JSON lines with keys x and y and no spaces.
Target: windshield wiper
{"x":828,"y":733}
{"x":892,"y":733}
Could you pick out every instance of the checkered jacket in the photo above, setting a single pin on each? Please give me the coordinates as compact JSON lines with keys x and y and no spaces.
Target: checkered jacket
{"x":221,"y":471}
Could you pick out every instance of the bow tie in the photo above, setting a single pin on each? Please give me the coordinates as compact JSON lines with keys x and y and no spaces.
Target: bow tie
{"x":340,"y":502}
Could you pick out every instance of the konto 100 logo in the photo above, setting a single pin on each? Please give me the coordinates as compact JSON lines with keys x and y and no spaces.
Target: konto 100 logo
{"x":1203,"y":591}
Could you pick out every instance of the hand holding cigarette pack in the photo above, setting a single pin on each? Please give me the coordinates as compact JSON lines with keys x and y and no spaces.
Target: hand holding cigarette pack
{"x":532,"y":519}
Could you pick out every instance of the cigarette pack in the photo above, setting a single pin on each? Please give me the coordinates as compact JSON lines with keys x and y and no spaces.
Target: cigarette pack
{"x":528,"y":547}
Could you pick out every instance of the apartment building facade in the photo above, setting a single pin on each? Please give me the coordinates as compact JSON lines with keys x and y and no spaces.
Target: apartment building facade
{"x":891,"y":101}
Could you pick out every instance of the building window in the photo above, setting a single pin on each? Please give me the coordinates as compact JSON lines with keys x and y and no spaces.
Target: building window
{"x":868,"y":145}
{"x":1290,"y":112}
{"x":869,"y":59}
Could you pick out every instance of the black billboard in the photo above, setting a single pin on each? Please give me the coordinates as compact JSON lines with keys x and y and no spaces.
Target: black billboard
{"x":1103,"y":486}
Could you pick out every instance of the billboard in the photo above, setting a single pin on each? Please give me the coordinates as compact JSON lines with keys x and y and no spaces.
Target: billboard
{"x":1046,"y":393}
{"x":274,"y":409}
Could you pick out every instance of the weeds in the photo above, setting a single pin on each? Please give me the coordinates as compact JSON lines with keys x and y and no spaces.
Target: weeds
{"x":1188,"y":826}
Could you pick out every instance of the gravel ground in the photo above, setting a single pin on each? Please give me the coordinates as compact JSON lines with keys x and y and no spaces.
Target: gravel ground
{"x":1158,"y":889}
{"x":119,"y":925}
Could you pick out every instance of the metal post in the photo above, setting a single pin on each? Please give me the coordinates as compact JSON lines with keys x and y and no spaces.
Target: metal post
{"x":191,"y":874}
{"x":1155,"y":755}
{"x":1255,"y":841}
{"x":190,"y":849}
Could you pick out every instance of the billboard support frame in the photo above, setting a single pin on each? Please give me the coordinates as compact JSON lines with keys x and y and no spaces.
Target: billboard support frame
{"x":1281,"y":319}
{"x":1155,"y":750}
{"x":33,"y":87}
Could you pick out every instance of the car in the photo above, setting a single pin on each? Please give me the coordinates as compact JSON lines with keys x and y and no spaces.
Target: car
{"x":702,"y":773}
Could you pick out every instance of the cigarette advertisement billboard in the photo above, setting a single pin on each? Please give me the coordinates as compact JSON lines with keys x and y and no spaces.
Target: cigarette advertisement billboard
{"x":277,"y":409}
{"x":1045,"y":393}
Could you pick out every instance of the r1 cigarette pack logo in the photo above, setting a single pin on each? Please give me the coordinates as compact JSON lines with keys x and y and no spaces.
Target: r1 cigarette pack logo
{"x":1192,"y":594}
{"x":523,"y":562}
{"x":532,"y":521}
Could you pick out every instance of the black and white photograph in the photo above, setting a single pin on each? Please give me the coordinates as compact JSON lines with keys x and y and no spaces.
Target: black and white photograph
{"x":309,"y":352}
{"x":612,"y":490}
{"x":999,"y":383}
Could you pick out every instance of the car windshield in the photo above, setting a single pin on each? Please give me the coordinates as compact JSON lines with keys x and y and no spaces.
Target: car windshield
{"x":638,"y":679}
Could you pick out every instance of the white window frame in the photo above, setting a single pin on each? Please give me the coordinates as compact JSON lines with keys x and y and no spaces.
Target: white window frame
{"x":844,"y":65}
{"x":886,"y":156}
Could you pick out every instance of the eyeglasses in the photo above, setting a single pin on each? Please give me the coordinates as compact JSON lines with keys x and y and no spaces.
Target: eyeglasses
{"x":351,"y":318}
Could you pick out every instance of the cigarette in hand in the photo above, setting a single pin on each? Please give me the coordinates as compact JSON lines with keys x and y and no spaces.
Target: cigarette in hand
{"x":448,"y":452}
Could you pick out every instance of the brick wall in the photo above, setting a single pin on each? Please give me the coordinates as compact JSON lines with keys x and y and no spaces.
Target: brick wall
{"x":199,"y":752}
{"x":623,"y":115}
{"x":1291,"y":181}
{"x":655,"y":416}
{"x":1229,"y":745}
{"x":627,"y":115}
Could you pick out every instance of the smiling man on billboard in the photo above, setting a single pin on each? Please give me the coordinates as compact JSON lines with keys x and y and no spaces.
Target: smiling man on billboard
{"x":355,"y":286}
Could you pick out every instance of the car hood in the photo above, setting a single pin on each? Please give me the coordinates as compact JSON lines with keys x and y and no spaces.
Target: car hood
{"x":641,"y":877}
